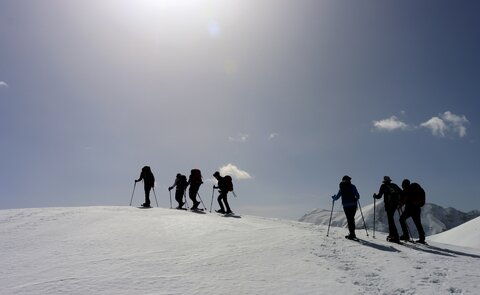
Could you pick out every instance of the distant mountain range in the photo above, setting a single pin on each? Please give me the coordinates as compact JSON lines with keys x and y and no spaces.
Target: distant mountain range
{"x":435,"y":219}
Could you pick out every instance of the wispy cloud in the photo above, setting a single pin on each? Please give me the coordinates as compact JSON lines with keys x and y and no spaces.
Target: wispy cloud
{"x":241,"y":137}
{"x":447,"y":123}
{"x":3,"y":84}
{"x":272,"y":136}
{"x":436,"y":125}
{"x":234,"y":172}
{"x":442,"y":125}
{"x":390,"y":124}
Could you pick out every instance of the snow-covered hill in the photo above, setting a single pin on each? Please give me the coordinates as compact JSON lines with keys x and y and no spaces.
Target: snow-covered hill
{"x":467,"y":235}
{"x":125,"y":250}
{"x":435,"y":219}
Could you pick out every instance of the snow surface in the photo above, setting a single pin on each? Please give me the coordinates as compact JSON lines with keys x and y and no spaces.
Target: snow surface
{"x":125,"y":250}
{"x":467,"y":235}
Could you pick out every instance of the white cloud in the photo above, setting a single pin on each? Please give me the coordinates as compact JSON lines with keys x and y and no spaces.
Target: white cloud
{"x":438,"y":127}
{"x":457,"y":122}
{"x":390,"y":124}
{"x":446,"y":123}
{"x":242,"y":137}
{"x":3,"y":84}
{"x":234,"y":172}
{"x":272,"y":136}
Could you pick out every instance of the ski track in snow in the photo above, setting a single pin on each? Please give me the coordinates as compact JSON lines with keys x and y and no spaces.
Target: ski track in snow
{"x":125,"y":250}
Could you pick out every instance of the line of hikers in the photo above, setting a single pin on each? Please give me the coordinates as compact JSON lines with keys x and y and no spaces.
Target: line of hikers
{"x":411,"y":195}
{"x":224,"y":185}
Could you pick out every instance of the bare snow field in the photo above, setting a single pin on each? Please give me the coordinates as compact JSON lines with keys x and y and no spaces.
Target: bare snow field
{"x":125,"y":250}
{"x":466,"y":235}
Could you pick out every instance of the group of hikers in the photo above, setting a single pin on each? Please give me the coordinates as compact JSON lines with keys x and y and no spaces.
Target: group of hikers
{"x":411,"y":195}
{"x":224,"y":185}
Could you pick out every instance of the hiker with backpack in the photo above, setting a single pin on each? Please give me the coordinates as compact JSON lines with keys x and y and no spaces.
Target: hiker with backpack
{"x":224,"y":185}
{"x":180,"y":184}
{"x":391,"y":197}
{"x":148,"y":182}
{"x":195,"y":181}
{"x":350,"y":196}
{"x":413,"y":197}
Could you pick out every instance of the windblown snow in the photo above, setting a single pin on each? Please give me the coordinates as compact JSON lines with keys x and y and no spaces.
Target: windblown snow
{"x":125,"y":250}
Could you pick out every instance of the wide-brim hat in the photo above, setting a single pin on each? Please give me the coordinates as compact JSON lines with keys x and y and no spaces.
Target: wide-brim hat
{"x":387,"y":179}
{"x":346,"y":178}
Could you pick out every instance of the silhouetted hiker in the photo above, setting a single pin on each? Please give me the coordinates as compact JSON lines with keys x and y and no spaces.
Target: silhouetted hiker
{"x":413,"y":197}
{"x":350,"y":197}
{"x":148,"y":181}
{"x":195,"y":181}
{"x":391,"y":198}
{"x":180,"y":184}
{"x":224,"y":185}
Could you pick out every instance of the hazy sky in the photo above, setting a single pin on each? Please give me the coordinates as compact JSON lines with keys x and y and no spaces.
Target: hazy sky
{"x":289,"y":96}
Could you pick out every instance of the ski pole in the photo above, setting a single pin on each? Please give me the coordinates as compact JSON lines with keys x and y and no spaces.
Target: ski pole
{"x":331,"y":213}
{"x":364,"y":224}
{"x":131,"y":199}
{"x":205,"y":208}
{"x":155,"y":195}
{"x":170,"y":192}
{"x":234,"y":194}
{"x":211,"y":203}
{"x":374,"y":206}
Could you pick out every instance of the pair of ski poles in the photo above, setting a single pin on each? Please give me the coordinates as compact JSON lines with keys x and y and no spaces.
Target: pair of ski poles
{"x":133,"y":192}
{"x":374,"y":218}
{"x":185,"y":196}
{"x":213,"y":192}
{"x":331,"y":213}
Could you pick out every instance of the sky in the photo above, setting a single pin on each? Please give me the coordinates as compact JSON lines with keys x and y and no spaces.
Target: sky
{"x":286,"y":96}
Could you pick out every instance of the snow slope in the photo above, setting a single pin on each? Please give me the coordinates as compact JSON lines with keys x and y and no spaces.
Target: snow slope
{"x":467,"y":235}
{"x":125,"y":250}
{"x":435,"y":219}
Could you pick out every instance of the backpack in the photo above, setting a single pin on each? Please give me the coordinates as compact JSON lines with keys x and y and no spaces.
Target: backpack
{"x":418,"y":195}
{"x":148,"y":177}
{"x":392,"y":195}
{"x":228,"y":183}
{"x":347,"y":192}
{"x":196,"y":176}
{"x":183,"y":182}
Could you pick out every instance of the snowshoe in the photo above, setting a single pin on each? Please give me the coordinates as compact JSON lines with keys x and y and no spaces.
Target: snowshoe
{"x":351,"y":237}
{"x":195,"y":205}
{"x":421,"y":242}
{"x":393,"y":240}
